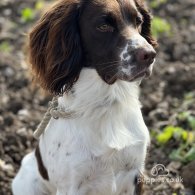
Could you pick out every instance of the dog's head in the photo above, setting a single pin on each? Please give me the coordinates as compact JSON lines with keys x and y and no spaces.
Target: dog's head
{"x":112,"y":36}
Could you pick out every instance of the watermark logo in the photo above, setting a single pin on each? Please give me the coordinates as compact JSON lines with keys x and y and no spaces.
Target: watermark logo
{"x":159,"y":170}
{"x":160,"y":174}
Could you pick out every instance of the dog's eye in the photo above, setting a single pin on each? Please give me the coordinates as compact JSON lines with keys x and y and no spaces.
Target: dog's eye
{"x":139,"y":20}
{"x":105,"y":28}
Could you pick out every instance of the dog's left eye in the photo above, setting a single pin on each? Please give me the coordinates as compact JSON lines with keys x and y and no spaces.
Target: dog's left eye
{"x":105,"y":28}
{"x":139,"y":20}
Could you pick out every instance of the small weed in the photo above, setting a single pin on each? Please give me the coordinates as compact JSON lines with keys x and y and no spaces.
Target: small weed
{"x":187,"y":117}
{"x":160,"y":26}
{"x":39,"y":5}
{"x":166,"y":135}
{"x":189,"y":96}
{"x":156,"y":3}
{"x":28,"y":14}
{"x":5,"y":47}
{"x":186,"y":151}
{"x":177,"y":133}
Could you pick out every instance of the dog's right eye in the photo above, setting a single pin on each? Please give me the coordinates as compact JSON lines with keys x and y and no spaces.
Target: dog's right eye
{"x":105,"y":28}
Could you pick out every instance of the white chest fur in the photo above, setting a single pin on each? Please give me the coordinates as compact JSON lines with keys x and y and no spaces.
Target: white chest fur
{"x":102,"y":150}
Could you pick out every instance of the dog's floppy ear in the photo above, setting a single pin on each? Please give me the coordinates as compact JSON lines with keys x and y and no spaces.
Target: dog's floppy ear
{"x":55,"y":51}
{"x":146,"y":26}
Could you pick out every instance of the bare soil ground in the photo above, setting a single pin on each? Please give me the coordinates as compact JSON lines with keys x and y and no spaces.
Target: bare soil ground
{"x":163,"y":95}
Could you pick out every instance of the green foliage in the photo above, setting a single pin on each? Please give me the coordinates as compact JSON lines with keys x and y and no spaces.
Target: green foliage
{"x":39,"y":5}
{"x":166,"y":135}
{"x":186,"y":116}
{"x":160,"y":26}
{"x":5,"y":47}
{"x":177,"y":133}
{"x":28,"y":14}
{"x":156,"y":3}
{"x":185,"y":153}
{"x":189,"y":96}
{"x":186,"y":150}
{"x":191,"y":121}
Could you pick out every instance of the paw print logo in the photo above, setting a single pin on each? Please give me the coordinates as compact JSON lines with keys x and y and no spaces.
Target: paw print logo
{"x":159,"y":170}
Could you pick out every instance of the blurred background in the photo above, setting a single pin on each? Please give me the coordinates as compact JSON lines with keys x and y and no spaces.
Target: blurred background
{"x":168,"y":97}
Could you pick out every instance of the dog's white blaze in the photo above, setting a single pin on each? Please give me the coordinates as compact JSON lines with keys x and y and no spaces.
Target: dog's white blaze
{"x":138,"y":41}
{"x":135,"y":42}
{"x":127,"y":70}
{"x":125,"y":52}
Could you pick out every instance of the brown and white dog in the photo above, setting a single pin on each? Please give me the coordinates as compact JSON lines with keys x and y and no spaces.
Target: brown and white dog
{"x":93,"y":53}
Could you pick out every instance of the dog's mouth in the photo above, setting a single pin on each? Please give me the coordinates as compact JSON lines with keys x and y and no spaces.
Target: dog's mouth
{"x":136,"y":74}
{"x":145,"y":73}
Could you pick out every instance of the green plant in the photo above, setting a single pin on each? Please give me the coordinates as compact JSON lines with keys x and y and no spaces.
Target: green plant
{"x":165,"y":135}
{"x":5,"y":47}
{"x":160,"y":26}
{"x":190,"y":119}
{"x":28,"y":14}
{"x":177,"y":133}
{"x":185,"y":153}
{"x":39,"y":5}
{"x":156,"y":3}
{"x":190,"y":96}
{"x":186,"y":150}
{"x":174,"y":132}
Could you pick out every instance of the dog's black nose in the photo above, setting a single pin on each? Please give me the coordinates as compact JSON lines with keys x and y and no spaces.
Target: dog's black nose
{"x":145,"y":56}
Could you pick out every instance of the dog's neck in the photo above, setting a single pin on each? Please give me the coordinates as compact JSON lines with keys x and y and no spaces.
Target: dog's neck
{"x":91,"y":94}
{"x":112,"y":111}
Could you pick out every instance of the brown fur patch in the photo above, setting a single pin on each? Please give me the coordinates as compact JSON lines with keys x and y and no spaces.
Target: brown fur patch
{"x":52,"y":45}
{"x":146,"y":26}
{"x":139,"y":184}
{"x":42,"y":170}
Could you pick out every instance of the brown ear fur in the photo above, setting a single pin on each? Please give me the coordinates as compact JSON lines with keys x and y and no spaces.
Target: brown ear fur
{"x":146,"y":26}
{"x":55,"y":51}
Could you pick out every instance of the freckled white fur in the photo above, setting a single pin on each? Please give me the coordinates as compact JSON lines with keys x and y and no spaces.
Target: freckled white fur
{"x":125,"y":51}
{"x":135,"y":42}
{"x":100,"y":152}
{"x":127,"y":70}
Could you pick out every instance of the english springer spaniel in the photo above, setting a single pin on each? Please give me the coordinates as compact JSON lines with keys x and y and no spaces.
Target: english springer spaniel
{"x":93,"y":54}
